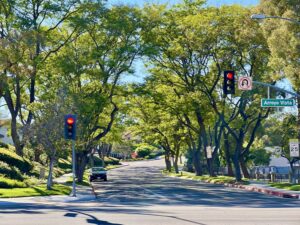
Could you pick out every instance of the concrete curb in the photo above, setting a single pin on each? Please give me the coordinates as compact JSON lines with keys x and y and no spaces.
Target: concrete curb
{"x":264,"y":190}
{"x":278,"y":193}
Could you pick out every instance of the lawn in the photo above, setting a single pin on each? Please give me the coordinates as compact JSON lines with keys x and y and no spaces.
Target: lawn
{"x":40,"y":190}
{"x":286,"y":186}
{"x":205,"y":178}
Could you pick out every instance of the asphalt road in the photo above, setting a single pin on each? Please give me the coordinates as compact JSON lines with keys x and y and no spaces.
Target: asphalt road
{"x":139,"y":195}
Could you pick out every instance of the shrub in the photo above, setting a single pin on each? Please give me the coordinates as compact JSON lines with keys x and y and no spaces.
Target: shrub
{"x":142,"y":152}
{"x":12,"y":158}
{"x":107,"y":161}
{"x":64,"y":165}
{"x":111,"y":161}
{"x":3,"y":145}
{"x":10,"y":183}
{"x":10,"y":171}
{"x":31,"y":181}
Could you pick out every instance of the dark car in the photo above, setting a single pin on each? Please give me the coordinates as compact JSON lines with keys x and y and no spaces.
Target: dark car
{"x":98,"y":173}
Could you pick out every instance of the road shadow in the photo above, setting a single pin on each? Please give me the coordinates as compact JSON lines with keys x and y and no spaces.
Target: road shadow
{"x":91,"y":220}
{"x":150,"y":187}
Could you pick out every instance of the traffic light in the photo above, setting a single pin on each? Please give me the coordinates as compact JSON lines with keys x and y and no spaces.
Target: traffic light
{"x":70,"y":126}
{"x":228,"y":86}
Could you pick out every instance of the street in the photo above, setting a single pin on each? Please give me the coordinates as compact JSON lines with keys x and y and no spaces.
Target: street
{"x":138,"y":194}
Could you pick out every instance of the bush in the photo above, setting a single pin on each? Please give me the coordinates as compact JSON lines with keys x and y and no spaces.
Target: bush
{"x":142,"y":152}
{"x":10,"y":183}
{"x":10,"y":171}
{"x":107,"y":161}
{"x":65,"y":165}
{"x":3,"y":145}
{"x":12,"y":158}
{"x":111,"y":161}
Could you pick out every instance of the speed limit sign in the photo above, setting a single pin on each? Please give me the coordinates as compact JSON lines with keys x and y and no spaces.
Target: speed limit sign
{"x":294,"y":148}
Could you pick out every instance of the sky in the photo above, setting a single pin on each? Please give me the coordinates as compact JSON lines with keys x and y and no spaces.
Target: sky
{"x":140,"y":71}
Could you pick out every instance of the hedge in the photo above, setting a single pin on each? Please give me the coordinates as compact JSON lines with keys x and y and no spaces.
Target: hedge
{"x":107,"y":161}
{"x":10,"y":183}
{"x":3,"y":145}
{"x":13,"y":159}
{"x":10,"y":171}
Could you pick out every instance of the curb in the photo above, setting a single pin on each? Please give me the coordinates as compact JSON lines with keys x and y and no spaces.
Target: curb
{"x":264,"y":190}
{"x":250,"y":188}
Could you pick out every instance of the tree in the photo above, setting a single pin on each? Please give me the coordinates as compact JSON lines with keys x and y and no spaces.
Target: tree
{"x":47,"y":132}
{"x":189,"y":47}
{"x":89,"y":70}
{"x":283,"y":41}
{"x":28,"y":39}
{"x":155,"y":122}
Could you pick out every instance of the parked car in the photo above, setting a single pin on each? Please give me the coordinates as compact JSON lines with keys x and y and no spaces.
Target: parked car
{"x":98,"y":173}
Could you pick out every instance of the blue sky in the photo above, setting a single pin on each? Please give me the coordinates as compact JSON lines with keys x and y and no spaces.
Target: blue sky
{"x":140,"y":71}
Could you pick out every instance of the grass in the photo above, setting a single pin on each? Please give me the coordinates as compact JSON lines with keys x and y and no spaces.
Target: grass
{"x":85,"y":181}
{"x":286,"y":186}
{"x":110,"y":167}
{"x":11,"y":183}
{"x":205,"y":178}
{"x":40,"y":190}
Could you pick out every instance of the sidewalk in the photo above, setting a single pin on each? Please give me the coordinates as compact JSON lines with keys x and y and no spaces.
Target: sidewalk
{"x":262,"y":187}
{"x":83,"y":194}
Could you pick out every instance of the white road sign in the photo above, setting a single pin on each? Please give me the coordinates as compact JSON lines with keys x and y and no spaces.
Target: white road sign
{"x":209,"y":152}
{"x":294,"y":148}
{"x":245,"y":83}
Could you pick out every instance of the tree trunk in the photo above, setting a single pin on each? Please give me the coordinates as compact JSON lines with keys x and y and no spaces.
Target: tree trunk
{"x":168,"y":162}
{"x":109,"y":150}
{"x":91,"y":160}
{"x":50,"y":180}
{"x":197,"y":163}
{"x":293,"y":178}
{"x":15,"y":137}
{"x":37,"y":155}
{"x":176,"y":159}
{"x":236,"y":163}
{"x":244,"y":167}
{"x":210,"y":167}
{"x":227,"y":155}
{"x":298,"y":126}
{"x":81,"y":162}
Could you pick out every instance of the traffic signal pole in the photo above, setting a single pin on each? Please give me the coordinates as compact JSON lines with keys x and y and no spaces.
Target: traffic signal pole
{"x":74,"y":172}
{"x":276,"y":88}
{"x":70,"y":133}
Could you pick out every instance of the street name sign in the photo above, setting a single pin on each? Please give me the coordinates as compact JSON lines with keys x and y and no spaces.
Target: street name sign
{"x":269,"y":102}
{"x":294,"y":148}
{"x":245,"y":83}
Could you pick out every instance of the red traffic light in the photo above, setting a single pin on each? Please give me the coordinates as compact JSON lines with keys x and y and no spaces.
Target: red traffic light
{"x":70,"y":121}
{"x":229,"y":76}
